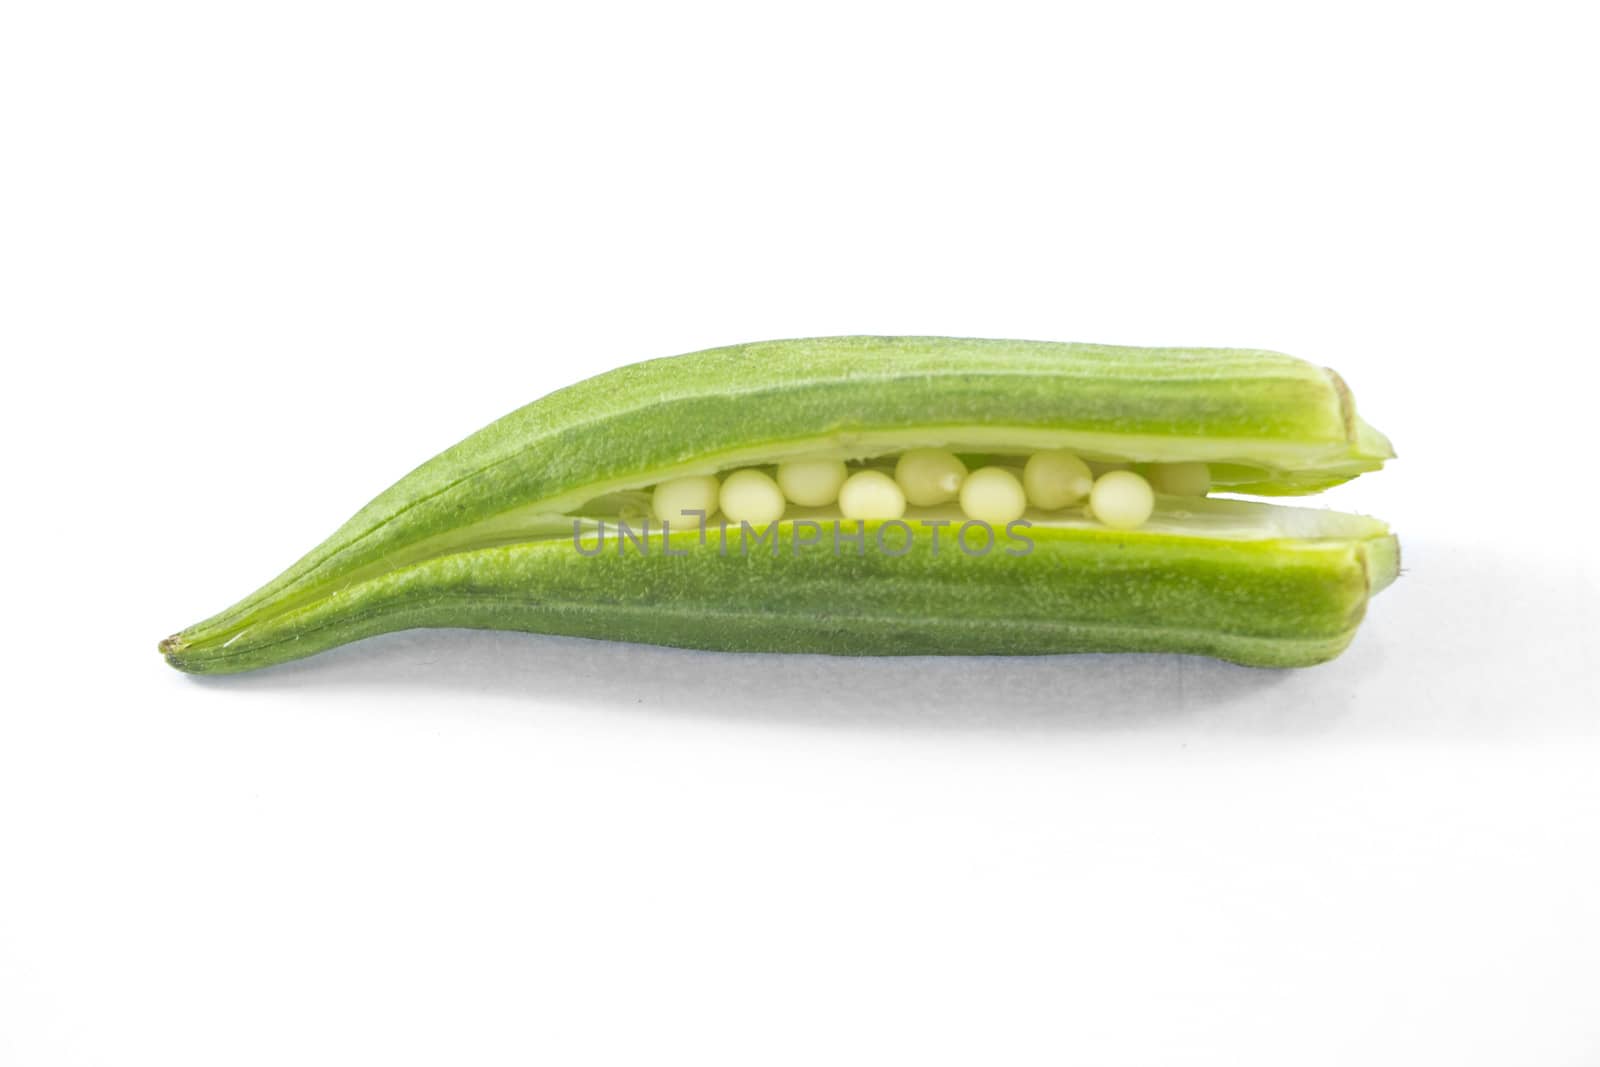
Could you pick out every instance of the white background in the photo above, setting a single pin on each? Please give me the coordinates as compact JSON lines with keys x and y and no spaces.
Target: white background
{"x":261,"y":259}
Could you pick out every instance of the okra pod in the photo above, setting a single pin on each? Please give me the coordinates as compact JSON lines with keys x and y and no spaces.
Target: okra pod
{"x":872,"y":496}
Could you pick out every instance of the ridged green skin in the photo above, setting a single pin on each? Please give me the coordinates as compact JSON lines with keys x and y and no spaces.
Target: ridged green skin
{"x":1263,"y":603}
{"x":404,"y":561}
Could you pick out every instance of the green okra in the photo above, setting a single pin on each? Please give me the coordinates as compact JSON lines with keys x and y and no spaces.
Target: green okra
{"x":542,"y":521}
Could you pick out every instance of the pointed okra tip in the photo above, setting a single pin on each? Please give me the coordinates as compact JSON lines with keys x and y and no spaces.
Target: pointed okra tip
{"x":173,"y":648}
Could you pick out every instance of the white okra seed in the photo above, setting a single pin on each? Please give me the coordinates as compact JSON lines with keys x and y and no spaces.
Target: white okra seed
{"x":929,"y":476}
{"x":1056,"y":479}
{"x":672,"y":499}
{"x":812,"y":483}
{"x":871,"y":495}
{"x":993,"y":495}
{"x":1180,"y":479}
{"x":751,"y":496}
{"x":1122,"y":500}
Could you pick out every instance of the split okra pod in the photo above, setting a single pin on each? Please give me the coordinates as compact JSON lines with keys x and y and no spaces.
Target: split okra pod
{"x":868,"y":496}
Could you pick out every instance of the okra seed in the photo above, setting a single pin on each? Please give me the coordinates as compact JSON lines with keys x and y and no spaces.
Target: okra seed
{"x":751,"y":496}
{"x":993,"y":495}
{"x":1121,"y":500}
{"x":871,"y":495}
{"x":1056,"y":479}
{"x":812,"y":483}
{"x":673,"y":498}
{"x":1180,"y":479}
{"x":929,"y":476}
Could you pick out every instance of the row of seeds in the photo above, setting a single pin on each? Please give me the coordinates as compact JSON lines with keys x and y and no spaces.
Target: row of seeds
{"x":924,"y":477}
